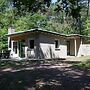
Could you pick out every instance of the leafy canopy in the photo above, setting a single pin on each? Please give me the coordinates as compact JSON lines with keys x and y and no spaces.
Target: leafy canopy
{"x":65,"y":16}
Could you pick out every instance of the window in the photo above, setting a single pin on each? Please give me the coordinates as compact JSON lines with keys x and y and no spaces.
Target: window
{"x":56,"y":44}
{"x":15,"y":47}
{"x":31,"y":44}
{"x":10,"y":43}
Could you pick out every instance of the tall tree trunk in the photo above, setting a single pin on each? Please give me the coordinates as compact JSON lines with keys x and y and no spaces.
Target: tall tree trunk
{"x":88,"y":8}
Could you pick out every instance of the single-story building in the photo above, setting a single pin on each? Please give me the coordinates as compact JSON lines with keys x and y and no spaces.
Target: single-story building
{"x":43,"y":44}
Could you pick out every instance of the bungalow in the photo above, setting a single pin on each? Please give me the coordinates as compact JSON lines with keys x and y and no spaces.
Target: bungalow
{"x":43,"y":44}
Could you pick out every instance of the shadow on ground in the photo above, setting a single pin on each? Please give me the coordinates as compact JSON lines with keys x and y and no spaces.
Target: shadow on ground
{"x":45,"y":77}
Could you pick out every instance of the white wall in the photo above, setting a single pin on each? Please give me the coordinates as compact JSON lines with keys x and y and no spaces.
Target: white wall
{"x":84,"y":50}
{"x":47,"y":47}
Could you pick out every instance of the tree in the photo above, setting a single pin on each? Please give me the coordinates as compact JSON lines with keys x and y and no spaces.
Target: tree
{"x":30,"y":5}
{"x":88,"y":25}
{"x":66,"y":16}
{"x":72,"y":10}
{"x":30,"y":21}
{"x":88,"y":7}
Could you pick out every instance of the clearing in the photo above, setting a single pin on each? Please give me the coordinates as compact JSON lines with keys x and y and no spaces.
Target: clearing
{"x":52,"y":75}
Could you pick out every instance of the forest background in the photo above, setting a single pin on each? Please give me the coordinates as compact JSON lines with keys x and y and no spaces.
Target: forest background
{"x":63,"y":16}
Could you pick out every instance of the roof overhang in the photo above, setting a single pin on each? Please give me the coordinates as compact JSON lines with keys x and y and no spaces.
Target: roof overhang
{"x":39,"y":30}
{"x":72,"y":36}
{"x":33,"y":31}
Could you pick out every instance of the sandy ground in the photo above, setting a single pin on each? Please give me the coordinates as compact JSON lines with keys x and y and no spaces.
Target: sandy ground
{"x":73,"y":58}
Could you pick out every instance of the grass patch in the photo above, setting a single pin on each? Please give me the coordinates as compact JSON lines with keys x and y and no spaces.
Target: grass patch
{"x":7,"y":64}
{"x":82,"y":65}
{"x":17,"y":64}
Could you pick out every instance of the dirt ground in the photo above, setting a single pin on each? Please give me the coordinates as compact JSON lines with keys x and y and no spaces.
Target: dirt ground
{"x":61,"y":76}
{"x":82,"y":59}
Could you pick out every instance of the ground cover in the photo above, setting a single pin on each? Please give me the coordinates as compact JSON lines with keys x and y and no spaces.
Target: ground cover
{"x":50,"y":75}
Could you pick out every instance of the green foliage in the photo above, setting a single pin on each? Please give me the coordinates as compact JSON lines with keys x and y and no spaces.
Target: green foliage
{"x":88,"y":25}
{"x":66,"y":17}
{"x":30,"y":5}
{"x":3,"y":4}
{"x":72,"y":9}
{"x":83,"y":65}
{"x":6,"y":19}
{"x":30,"y":21}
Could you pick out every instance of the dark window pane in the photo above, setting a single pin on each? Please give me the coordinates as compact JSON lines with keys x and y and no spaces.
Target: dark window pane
{"x":15,"y":47}
{"x":21,"y":48}
{"x":32,"y":44}
{"x":56,"y":43}
{"x":10,"y":43}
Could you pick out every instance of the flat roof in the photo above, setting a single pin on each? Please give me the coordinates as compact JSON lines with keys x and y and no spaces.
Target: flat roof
{"x":42,"y":30}
{"x":74,"y":35}
{"x":35,"y":30}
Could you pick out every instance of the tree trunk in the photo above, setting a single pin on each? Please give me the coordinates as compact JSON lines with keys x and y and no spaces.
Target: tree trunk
{"x":88,"y":8}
